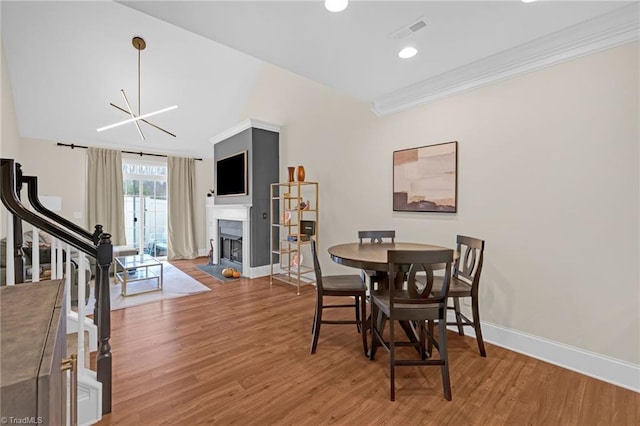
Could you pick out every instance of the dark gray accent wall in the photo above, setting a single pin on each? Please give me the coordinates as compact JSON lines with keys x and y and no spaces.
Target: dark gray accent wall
{"x":263,"y":164}
{"x":233,"y":145}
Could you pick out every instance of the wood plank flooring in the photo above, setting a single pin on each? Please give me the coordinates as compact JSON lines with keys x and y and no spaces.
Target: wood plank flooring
{"x":240,"y":355}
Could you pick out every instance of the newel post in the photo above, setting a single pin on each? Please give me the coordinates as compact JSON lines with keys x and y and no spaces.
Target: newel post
{"x":104,"y":362}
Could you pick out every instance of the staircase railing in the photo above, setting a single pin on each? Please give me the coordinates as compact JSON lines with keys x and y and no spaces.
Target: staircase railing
{"x":97,"y":245}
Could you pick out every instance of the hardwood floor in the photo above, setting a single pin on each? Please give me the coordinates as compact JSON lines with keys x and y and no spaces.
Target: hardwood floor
{"x":240,"y":355}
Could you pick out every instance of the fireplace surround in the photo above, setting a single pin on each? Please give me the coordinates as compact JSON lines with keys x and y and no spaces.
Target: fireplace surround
{"x":241,"y":214}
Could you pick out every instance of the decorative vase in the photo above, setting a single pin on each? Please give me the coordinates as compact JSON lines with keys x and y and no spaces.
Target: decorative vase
{"x":291,"y":171}
{"x":300,"y":173}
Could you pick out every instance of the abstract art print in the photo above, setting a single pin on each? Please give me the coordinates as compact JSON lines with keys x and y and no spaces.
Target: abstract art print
{"x":425,"y":179}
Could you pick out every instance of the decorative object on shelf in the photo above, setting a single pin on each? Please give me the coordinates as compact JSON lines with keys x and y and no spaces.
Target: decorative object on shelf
{"x":286,"y":217}
{"x":291,"y":171}
{"x":425,"y":178}
{"x":301,"y":174}
{"x":296,"y":260}
{"x":303,"y":205}
{"x":292,"y":238}
{"x":139,"y":44}
{"x":308,"y":228}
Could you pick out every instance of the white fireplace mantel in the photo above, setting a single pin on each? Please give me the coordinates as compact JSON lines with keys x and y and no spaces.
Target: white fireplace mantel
{"x":239,"y":212}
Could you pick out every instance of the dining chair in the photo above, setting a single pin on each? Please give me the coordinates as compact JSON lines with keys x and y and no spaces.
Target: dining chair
{"x":465,"y":282}
{"x":375,"y":237}
{"x":414,"y":303}
{"x":350,"y":286}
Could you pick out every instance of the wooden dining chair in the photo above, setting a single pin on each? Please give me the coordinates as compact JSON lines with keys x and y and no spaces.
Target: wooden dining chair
{"x":465,"y":282}
{"x":415,"y":305}
{"x":375,"y":237}
{"x":350,"y":286}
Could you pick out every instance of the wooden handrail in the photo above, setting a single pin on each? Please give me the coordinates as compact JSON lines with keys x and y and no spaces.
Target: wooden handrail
{"x":12,"y":203}
{"x":32,"y":184}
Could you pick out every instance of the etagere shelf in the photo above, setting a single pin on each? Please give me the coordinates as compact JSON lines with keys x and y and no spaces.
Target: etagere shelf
{"x":294,"y":221}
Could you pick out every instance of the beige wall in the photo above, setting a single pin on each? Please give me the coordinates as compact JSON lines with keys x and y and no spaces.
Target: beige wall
{"x":548,"y":176}
{"x":60,"y":172}
{"x":9,"y":142}
{"x":9,"y":139}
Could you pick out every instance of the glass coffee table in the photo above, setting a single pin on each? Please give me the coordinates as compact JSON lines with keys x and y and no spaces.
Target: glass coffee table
{"x":142,"y":269}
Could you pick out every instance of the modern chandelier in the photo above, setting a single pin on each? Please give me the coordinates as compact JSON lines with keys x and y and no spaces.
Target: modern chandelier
{"x":139,"y":44}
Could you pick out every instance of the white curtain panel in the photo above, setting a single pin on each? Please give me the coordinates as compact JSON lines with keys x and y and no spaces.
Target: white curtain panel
{"x":180,"y":198}
{"x":105,"y":193}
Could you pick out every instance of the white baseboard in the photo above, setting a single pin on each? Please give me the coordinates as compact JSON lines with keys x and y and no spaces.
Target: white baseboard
{"x":259,"y":271}
{"x":601,"y":367}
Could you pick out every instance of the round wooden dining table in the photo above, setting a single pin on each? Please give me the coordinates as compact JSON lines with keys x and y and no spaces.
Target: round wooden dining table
{"x":373,"y":256}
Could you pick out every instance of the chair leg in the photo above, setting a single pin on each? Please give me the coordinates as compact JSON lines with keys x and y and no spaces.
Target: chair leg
{"x":429,"y":342}
{"x":315,"y":315}
{"x":476,"y":326}
{"x":374,"y":328}
{"x":423,"y":340}
{"x":357,"y":307}
{"x":444,"y":356}
{"x":363,"y":323}
{"x":316,"y":325}
{"x":392,"y":361}
{"x":456,"y":305}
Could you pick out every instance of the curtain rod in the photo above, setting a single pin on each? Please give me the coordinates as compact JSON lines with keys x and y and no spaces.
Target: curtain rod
{"x":72,"y":146}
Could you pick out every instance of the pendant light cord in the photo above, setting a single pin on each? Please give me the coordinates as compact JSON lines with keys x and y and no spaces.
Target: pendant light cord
{"x":139,"y":100}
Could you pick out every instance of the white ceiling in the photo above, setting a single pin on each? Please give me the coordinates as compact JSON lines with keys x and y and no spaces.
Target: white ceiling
{"x":68,"y":60}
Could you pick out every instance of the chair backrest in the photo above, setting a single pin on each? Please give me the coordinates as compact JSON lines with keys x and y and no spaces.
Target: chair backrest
{"x":316,"y":265}
{"x":376,"y":236}
{"x":468,"y":265}
{"x":411,"y":262}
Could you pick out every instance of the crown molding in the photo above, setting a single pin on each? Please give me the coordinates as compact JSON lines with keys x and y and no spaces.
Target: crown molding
{"x":241,"y":127}
{"x":606,"y":31}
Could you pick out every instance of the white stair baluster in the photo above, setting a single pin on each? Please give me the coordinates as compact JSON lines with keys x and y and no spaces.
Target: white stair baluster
{"x":54,"y":266}
{"x":67,"y":279}
{"x":59,"y":266}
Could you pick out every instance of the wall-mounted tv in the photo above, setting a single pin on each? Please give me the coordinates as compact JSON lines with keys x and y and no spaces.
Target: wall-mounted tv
{"x":231,"y":175}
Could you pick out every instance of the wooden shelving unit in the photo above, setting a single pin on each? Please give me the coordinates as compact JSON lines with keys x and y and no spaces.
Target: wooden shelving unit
{"x":294,"y":220}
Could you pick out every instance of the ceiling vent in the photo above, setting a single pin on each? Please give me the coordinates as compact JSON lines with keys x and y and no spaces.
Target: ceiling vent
{"x":408,"y":30}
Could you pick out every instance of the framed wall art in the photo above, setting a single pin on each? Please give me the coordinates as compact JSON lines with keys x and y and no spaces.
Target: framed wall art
{"x":425,"y":179}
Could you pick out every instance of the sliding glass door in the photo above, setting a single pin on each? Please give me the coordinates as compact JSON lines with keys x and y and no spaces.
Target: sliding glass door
{"x":145,"y":207}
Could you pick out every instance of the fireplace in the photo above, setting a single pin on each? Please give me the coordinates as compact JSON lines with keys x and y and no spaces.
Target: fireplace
{"x":230,"y":244}
{"x":241,"y":214}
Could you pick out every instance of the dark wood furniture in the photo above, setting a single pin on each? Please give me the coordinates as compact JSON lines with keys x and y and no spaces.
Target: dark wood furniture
{"x":465,"y":281}
{"x":375,"y":237}
{"x":372,"y":256}
{"x":33,"y":337}
{"x":338,"y":285}
{"x":416,"y":304}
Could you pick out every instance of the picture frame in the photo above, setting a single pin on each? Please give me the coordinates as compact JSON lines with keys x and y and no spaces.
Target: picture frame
{"x":425,"y":179}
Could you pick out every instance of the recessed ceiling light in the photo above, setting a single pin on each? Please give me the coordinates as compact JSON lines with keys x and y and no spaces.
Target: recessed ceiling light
{"x":408,"y":52}
{"x":336,"y":5}
{"x":528,"y":1}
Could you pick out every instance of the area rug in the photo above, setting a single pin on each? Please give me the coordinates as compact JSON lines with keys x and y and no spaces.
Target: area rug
{"x":215,"y":271}
{"x":175,"y":283}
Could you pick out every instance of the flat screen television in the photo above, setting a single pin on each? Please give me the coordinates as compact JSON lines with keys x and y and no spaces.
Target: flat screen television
{"x":231,"y":175}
